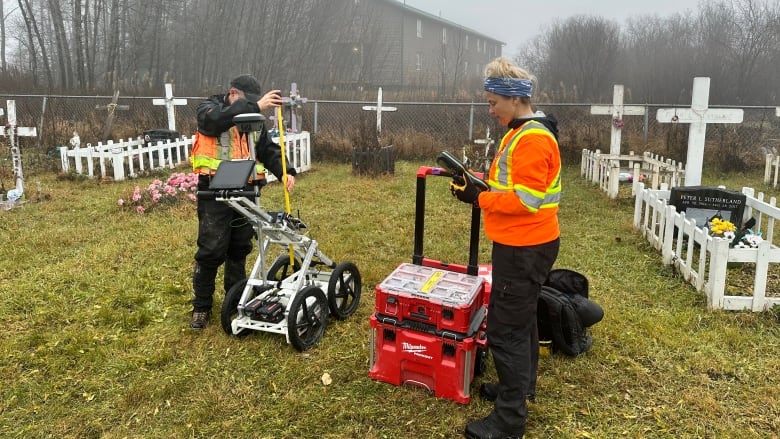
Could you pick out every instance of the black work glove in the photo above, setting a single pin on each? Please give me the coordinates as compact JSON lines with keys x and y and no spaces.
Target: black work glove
{"x":465,"y":190}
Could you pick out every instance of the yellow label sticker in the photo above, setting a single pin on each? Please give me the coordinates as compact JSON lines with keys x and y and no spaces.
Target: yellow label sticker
{"x":428,"y":286}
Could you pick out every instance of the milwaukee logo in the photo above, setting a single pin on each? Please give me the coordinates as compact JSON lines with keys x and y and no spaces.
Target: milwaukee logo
{"x":408,"y":347}
{"x":417,"y":350}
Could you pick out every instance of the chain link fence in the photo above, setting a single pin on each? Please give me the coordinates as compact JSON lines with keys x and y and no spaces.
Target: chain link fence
{"x":417,"y":130}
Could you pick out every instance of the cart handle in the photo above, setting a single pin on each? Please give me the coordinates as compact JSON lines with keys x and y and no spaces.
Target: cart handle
{"x":424,"y":171}
{"x":225,"y":193}
{"x":419,"y":221}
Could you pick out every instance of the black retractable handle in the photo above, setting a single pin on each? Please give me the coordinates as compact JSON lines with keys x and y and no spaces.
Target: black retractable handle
{"x":419,"y":222}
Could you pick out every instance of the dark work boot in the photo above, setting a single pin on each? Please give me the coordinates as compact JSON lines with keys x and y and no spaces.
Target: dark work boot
{"x":485,"y":429}
{"x":200,"y":319}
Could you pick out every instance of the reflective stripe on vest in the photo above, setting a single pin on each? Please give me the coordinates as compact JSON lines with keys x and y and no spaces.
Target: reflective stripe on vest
{"x":208,"y":152}
{"x":501,"y":178}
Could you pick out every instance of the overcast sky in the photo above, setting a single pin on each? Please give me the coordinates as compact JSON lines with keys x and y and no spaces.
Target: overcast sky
{"x":517,"y":21}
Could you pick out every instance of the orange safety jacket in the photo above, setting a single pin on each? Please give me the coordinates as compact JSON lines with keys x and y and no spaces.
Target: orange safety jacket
{"x":521,"y":208}
{"x":209,"y":151}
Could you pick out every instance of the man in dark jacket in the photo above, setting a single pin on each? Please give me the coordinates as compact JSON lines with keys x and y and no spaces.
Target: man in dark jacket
{"x":224,"y":235}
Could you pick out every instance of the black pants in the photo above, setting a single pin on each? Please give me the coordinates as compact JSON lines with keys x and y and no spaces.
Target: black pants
{"x":512,"y":334}
{"x":224,"y":236}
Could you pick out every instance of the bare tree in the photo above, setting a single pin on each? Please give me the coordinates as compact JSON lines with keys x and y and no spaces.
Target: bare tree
{"x":659,"y":59}
{"x":77,"y":31}
{"x":61,"y":42}
{"x":738,"y":38}
{"x":582,"y":53}
{"x":3,"y":62}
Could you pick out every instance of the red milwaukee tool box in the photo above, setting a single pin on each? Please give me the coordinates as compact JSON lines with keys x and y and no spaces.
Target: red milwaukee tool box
{"x":444,"y":366}
{"x":444,"y":300}
{"x":428,"y":328}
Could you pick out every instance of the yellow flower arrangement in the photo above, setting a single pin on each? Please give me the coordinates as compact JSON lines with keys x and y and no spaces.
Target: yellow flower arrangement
{"x":722,"y":229}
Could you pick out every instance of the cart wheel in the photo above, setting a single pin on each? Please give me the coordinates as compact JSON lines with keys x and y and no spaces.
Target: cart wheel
{"x":344,"y":290}
{"x":308,"y":317}
{"x":281,"y":269}
{"x":480,"y":363}
{"x":230,"y":308}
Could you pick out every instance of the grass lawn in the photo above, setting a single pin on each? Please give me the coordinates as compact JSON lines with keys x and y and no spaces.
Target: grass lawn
{"x":94,"y":337}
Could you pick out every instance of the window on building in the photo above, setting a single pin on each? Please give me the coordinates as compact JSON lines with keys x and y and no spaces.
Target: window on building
{"x":444,"y":35}
{"x":419,"y":28}
{"x":466,"y":68}
{"x":466,"y":43}
{"x":418,"y":61}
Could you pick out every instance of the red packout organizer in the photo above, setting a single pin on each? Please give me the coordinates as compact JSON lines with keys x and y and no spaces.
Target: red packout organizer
{"x":443,"y":300}
{"x":428,"y":328}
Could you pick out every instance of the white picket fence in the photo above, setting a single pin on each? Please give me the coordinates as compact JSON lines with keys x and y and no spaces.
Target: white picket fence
{"x":703,"y":260}
{"x":772,"y":170}
{"x":123,"y":159}
{"x":126,"y":158}
{"x":604,"y":170}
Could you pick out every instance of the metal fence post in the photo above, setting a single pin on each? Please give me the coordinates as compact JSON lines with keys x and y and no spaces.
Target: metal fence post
{"x":315,"y":116}
{"x":471,"y":121}
{"x":40,"y":123}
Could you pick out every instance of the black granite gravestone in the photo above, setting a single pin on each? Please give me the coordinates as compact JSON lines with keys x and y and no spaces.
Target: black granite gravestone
{"x":703,"y":203}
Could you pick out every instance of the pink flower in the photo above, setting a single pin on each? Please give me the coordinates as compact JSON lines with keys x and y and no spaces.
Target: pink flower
{"x":157,"y":192}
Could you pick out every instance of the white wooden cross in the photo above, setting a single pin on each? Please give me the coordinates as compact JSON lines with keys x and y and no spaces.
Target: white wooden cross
{"x":169,"y":103}
{"x":12,"y":131}
{"x":379,"y":109}
{"x":294,"y":102}
{"x":699,"y":115}
{"x":617,"y":110}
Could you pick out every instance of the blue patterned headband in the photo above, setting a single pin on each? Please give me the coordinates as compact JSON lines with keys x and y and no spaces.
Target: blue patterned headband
{"x":510,"y":86}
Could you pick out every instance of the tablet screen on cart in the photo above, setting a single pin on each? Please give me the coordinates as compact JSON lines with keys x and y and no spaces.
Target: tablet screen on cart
{"x":232,"y":174}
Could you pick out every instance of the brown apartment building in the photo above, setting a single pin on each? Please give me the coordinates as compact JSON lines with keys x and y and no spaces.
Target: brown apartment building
{"x":390,"y":44}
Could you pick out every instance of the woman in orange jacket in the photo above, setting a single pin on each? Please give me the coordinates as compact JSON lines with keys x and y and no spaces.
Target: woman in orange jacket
{"x":521,"y":218}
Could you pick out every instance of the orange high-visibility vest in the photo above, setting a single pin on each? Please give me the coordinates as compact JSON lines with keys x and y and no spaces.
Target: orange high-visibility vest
{"x":521,"y":207}
{"x":209,"y":151}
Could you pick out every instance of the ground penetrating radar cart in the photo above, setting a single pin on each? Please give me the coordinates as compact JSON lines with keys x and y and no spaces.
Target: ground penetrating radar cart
{"x":295,"y":294}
